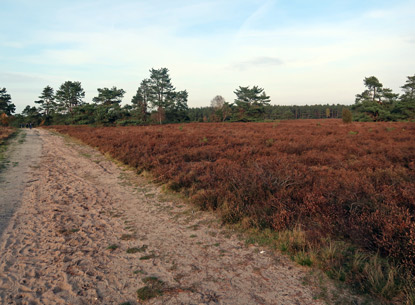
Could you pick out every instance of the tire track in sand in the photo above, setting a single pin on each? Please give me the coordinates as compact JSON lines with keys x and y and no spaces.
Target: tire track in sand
{"x":55,"y":248}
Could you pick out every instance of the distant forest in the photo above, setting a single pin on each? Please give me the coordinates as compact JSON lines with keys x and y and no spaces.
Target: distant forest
{"x":158,"y":102}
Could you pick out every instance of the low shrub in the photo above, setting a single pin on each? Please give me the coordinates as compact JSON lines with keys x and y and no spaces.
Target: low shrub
{"x":352,"y":182}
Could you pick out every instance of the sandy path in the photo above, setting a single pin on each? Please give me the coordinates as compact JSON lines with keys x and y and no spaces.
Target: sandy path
{"x":23,"y":154}
{"x":77,"y":204}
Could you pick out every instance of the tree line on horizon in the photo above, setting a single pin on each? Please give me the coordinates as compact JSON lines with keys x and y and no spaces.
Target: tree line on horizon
{"x":157,"y":102}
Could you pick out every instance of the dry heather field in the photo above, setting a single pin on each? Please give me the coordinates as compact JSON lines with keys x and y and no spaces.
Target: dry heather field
{"x":351,"y":182}
{"x":5,"y":132}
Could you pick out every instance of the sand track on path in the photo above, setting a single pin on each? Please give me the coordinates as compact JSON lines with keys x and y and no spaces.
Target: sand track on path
{"x":77,"y":203}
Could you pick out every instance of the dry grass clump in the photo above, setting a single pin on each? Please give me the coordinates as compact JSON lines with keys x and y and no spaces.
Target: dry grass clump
{"x":365,"y":272}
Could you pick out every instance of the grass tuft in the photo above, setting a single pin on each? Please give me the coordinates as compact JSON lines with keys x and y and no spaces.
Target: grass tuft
{"x":154,"y":288}
{"x":146,"y":257}
{"x":136,"y":250}
{"x":366,"y":273}
{"x":112,"y":247}
{"x":127,"y":237}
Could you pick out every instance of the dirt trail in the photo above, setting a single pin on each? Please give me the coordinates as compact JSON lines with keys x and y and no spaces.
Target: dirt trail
{"x":23,"y":154}
{"x":77,"y":204}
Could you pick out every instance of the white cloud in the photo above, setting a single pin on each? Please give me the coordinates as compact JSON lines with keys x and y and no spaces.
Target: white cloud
{"x":258,"y":62}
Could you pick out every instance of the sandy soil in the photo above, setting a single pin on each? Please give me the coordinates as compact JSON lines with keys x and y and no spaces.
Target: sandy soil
{"x":77,"y":203}
{"x":23,"y":153}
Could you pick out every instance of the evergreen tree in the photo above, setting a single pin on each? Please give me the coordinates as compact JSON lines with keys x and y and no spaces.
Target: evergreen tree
{"x":70,"y":95}
{"x":177,"y":110}
{"x":141,"y":99}
{"x":161,"y":88}
{"x":365,"y":95}
{"x":109,"y":96}
{"x":409,"y":89}
{"x":404,"y":108}
{"x":374,"y":87}
{"x":85,"y":114}
{"x":6,"y":104}
{"x":47,"y":101}
{"x":108,"y":114}
{"x":250,"y":103}
{"x":161,"y":93}
{"x":388,"y":97}
{"x":373,"y":104}
{"x":162,"y":97}
{"x":31,"y":115}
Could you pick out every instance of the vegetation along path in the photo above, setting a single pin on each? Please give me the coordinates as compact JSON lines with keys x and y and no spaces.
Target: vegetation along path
{"x":22,"y":155}
{"x":88,"y":231}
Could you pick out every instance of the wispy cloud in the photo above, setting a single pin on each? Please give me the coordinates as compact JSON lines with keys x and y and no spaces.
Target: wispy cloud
{"x":258,"y":62}
{"x":210,"y":46}
{"x":6,"y":77}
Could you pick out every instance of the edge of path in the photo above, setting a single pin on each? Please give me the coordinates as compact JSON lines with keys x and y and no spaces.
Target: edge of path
{"x":23,"y":153}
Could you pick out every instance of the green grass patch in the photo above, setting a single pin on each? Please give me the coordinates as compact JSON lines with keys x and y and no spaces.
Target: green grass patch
{"x":147,"y":257}
{"x":4,"y":144}
{"x":150,"y":195}
{"x":22,"y":138}
{"x":137,"y":250}
{"x":86,"y":155}
{"x":112,"y":247}
{"x":127,"y":237}
{"x":66,"y":232}
{"x":303,"y":259}
{"x":154,"y":288}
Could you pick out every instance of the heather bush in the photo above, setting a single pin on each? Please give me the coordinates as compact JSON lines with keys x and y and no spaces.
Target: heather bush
{"x":352,"y":182}
{"x":5,"y":132}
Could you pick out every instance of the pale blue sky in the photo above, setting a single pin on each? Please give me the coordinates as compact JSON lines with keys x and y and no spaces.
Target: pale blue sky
{"x":300,"y":52}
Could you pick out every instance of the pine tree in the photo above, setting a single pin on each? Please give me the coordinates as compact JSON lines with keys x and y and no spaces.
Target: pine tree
{"x":6,"y":104}
{"x":47,"y":101}
{"x":141,"y":99}
{"x":250,"y":103}
{"x":108,"y":96}
{"x":70,"y":95}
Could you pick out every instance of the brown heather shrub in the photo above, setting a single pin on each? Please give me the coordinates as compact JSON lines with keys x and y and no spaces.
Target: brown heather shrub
{"x":351,"y":181}
{"x":5,"y":132}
